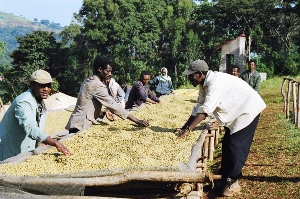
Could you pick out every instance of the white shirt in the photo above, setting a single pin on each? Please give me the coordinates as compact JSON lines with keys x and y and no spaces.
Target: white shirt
{"x":231,"y":100}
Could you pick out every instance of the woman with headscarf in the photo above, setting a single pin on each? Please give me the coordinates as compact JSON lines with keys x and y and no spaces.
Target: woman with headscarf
{"x":162,"y":83}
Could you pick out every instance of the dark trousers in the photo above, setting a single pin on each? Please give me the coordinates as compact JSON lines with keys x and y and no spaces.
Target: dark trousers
{"x":235,"y":150}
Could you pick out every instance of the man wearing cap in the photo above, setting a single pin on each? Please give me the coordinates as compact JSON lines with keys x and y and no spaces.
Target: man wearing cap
{"x":236,"y":106}
{"x":22,"y":126}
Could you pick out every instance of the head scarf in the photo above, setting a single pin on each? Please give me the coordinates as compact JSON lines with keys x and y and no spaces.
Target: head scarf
{"x":165,"y":77}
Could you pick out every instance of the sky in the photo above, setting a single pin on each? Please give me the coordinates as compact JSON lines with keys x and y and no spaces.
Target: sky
{"x":57,"y":11}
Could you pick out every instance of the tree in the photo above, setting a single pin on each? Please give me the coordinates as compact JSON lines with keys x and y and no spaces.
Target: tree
{"x":125,"y":31}
{"x":45,"y":22}
{"x":78,"y":64}
{"x":141,"y":35}
{"x":179,"y":41}
{"x":38,"y":50}
{"x":3,"y":46}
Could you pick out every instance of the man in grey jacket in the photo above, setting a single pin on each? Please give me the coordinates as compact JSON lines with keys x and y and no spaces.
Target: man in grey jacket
{"x":92,"y":96}
{"x":251,"y":76}
{"x":22,"y":126}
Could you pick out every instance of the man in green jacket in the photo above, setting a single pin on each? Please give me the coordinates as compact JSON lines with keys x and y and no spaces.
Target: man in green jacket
{"x":22,"y":126}
{"x":251,"y":76}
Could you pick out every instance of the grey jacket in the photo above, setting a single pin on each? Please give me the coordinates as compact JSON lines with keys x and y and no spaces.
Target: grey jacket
{"x":255,"y":80}
{"x":92,"y":95}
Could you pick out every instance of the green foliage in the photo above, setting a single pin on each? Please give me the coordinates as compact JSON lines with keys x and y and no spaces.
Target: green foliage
{"x":55,"y":85}
{"x":2,"y":48}
{"x":289,"y":67}
{"x":141,"y":35}
{"x":36,"y":51}
{"x":262,"y":67}
{"x":71,"y":77}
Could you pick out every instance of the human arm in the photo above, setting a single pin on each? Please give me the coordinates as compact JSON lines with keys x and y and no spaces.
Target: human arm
{"x":101,"y":94}
{"x":210,"y":97}
{"x":151,"y":101}
{"x":199,"y":117}
{"x":190,"y":124}
{"x":59,"y":146}
{"x":33,"y":124}
{"x":142,"y":94}
{"x":143,"y":123}
{"x":106,"y":113}
{"x":151,"y":98}
{"x":153,"y":82}
{"x":29,"y":119}
{"x":256,"y":82}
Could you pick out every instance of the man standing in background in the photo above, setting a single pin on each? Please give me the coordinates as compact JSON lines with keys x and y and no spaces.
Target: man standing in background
{"x":251,"y":76}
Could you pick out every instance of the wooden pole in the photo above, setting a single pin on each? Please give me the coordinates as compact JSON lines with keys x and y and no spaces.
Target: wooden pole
{"x":217,"y":136}
{"x":294,"y":102}
{"x":287,"y":114}
{"x":215,"y":131}
{"x":211,"y":145}
{"x":205,"y":152}
{"x":283,"y":94}
{"x":150,"y":176}
{"x":298,"y":107}
{"x":200,"y":164}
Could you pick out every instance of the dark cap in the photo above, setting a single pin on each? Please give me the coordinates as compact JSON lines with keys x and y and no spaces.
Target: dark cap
{"x":196,"y":66}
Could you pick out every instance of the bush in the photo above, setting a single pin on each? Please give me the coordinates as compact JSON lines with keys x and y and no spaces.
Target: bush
{"x":289,"y":67}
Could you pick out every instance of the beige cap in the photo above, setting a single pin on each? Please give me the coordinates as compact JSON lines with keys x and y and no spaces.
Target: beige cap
{"x":196,"y":66}
{"x":41,"y":76}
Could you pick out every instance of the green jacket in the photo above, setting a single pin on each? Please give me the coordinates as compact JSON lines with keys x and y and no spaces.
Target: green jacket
{"x":21,"y":126}
{"x":254,"y":81}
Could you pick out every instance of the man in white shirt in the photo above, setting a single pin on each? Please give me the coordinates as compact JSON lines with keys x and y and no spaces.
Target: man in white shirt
{"x":236,"y":106}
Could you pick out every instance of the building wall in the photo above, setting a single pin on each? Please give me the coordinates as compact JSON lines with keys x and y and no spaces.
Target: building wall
{"x":236,"y":48}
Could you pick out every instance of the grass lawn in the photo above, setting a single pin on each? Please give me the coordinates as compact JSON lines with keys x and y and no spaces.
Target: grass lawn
{"x":272,"y":169}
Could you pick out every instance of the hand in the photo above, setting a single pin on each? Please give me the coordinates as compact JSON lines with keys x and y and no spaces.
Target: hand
{"x":183,"y":133}
{"x":143,"y":123}
{"x":109,"y":116}
{"x":61,"y":148}
{"x":177,"y":131}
